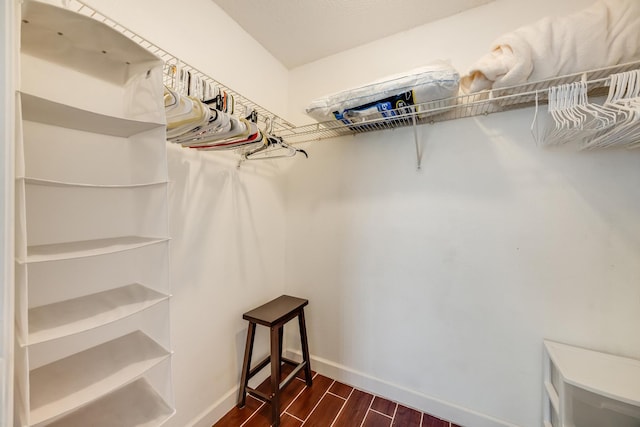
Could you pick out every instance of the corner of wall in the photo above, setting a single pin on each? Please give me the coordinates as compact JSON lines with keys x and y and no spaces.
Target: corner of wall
{"x":8,"y":73}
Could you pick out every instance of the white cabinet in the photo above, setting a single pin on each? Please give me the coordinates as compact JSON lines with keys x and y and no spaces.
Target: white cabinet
{"x":92,"y":255}
{"x":585,"y":388}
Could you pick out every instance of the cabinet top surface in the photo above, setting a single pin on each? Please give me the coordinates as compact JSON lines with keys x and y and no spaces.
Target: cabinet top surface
{"x":601,"y":373}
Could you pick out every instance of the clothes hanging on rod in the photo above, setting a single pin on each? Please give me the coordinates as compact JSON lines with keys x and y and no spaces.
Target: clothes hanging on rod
{"x":195,"y":124}
{"x":191,"y":84}
{"x":201,"y":116}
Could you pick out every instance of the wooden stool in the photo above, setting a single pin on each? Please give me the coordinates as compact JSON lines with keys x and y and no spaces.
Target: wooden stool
{"x":274,"y":315}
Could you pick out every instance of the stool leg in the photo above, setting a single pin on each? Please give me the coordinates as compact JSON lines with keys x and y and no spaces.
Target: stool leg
{"x":275,"y":375}
{"x":246,"y":365}
{"x":280,"y":340}
{"x":305,"y":348}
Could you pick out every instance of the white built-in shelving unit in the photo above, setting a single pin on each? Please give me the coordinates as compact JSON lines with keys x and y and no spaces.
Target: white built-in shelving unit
{"x":586,"y":388}
{"x":92,"y":246}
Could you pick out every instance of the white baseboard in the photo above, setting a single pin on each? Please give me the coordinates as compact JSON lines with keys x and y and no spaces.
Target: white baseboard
{"x":213,"y":413}
{"x":219,"y":408}
{"x":411,"y":398}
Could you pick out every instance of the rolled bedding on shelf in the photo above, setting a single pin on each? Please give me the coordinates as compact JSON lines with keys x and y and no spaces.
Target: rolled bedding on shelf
{"x":383,"y":97}
{"x":606,"y":33}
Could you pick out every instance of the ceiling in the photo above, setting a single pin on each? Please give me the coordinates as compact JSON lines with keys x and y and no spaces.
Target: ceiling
{"x":297,"y":32}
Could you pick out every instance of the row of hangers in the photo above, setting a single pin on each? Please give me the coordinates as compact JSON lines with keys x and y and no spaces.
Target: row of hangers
{"x":573,"y":117}
{"x":204,"y":117}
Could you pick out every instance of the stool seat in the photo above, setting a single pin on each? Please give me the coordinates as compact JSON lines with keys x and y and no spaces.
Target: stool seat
{"x":277,"y":311}
{"x":274,"y":315}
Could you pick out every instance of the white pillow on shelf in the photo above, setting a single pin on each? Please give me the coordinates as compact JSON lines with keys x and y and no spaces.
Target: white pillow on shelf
{"x":434,"y":81}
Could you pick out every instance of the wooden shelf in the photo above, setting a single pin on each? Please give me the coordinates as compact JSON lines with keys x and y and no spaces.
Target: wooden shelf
{"x":136,"y":404}
{"x":76,"y":315}
{"x":87,"y":248}
{"x":84,"y":377}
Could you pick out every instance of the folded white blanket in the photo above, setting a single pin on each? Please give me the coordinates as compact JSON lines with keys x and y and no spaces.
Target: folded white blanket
{"x":606,"y":33}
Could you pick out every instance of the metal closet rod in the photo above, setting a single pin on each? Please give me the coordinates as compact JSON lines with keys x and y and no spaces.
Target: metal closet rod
{"x":264,"y":114}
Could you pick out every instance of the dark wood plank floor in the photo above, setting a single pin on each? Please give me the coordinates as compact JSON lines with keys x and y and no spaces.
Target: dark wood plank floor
{"x":328,"y":403}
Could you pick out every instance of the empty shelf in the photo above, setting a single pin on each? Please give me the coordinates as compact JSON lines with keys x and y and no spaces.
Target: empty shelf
{"x":77,"y":380}
{"x":76,"y":315}
{"x":80,"y":42}
{"x":42,"y":110}
{"x":612,"y":376}
{"x":53,"y":183}
{"x":137,"y":404}
{"x":87,"y":248}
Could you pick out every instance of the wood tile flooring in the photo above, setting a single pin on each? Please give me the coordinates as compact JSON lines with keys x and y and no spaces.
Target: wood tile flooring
{"x":327,"y":403}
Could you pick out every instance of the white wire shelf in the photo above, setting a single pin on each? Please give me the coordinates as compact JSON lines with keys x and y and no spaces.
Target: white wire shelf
{"x":482,"y":103}
{"x":264,"y":114}
{"x":459,"y":107}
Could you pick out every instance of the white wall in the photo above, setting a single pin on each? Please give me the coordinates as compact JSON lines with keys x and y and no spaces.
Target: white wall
{"x":445,"y":281}
{"x":227,"y":229}
{"x":437,"y":286}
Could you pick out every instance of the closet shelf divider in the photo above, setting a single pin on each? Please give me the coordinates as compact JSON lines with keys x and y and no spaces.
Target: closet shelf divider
{"x":82,"y":378}
{"x":136,"y":404}
{"x":41,"y":110}
{"x":87,"y":248}
{"x":64,"y":318}
{"x":54,"y":183}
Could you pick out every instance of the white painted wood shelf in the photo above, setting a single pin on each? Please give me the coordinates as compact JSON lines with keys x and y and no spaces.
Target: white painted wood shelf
{"x":42,"y":110}
{"x":52,"y":183}
{"x":586,"y":388}
{"x":87,"y":248}
{"x":74,"y":381}
{"x":136,"y":404}
{"x":92,"y":234}
{"x":57,"y":320}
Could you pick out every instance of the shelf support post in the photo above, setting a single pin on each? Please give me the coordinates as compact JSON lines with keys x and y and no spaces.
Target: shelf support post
{"x":415,"y":138}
